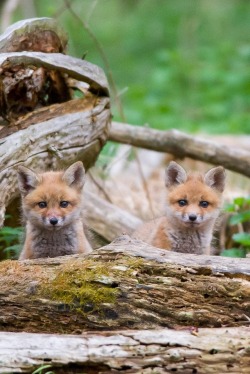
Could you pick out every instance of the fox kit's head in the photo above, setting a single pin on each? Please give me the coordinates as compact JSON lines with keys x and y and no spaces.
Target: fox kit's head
{"x":194,"y":200}
{"x":52,"y":200}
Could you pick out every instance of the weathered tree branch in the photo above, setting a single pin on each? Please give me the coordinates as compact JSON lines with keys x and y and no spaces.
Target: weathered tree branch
{"x":182,"y":145}
{"x":224,"y":350}
{"x":127,"y":284}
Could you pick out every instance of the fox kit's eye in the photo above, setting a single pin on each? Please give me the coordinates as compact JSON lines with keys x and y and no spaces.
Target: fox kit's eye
{"x":182,"y":202}
{"x":204,"y":204}
{"x":42,"y":204}
{"x":64,"y":204}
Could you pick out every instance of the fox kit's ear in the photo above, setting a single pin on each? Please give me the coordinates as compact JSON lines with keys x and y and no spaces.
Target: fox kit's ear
{"x":27,"y":180}
{"x":175,"y":174}
{"x":215,"y":178}
{"x":74,"y":176}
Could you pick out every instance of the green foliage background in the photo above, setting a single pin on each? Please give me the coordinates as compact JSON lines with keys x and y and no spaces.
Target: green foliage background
{"x":179,"y":63}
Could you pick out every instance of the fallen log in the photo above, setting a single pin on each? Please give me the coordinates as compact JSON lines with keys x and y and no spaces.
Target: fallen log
{"x":125,"y":285}
{"x":182,"y":145}
{"x":202,"y":351}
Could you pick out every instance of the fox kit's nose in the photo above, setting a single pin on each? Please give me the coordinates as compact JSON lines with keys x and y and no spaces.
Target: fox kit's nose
{"x":53,"y":221}
{"x":192,"y":217}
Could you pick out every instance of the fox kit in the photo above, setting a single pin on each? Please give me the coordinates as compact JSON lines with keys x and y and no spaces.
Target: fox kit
{"x":193,"y":205}
{"x":52,"y":208}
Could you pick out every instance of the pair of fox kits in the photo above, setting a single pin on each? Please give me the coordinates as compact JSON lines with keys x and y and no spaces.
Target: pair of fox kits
{"x":52,"y":208}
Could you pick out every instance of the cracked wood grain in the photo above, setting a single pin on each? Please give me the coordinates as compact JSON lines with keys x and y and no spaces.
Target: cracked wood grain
{"x":224,"y":350}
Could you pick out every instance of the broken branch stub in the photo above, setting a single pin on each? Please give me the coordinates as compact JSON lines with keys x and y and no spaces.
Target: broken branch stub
{"x":34,"y":34}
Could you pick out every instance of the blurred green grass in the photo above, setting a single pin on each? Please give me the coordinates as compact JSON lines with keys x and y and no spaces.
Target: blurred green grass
{"x":181,"y":64}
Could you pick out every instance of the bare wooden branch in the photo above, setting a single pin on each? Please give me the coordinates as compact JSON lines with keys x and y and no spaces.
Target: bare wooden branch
{"x":182,"y":145}
{"x":224,"y":350}
{"x":126,"y":284}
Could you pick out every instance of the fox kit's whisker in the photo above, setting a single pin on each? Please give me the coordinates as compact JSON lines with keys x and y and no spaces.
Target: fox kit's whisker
{"x":52,"y":208}
{"x":193,"y":205}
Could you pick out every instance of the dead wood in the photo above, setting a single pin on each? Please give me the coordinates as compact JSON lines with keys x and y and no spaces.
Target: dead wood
{"x":76,"y":68}
{"x":182,"y":145}
{"x":125,"y":285}
{"x":34,"y":72}
{"x":224,"y":350}
{"x":47,"y":113}
{"x":34,"y":34}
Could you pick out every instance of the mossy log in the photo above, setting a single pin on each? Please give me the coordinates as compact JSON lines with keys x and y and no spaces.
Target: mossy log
{"x":220,"y":351}
{"x":125,"y":285}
